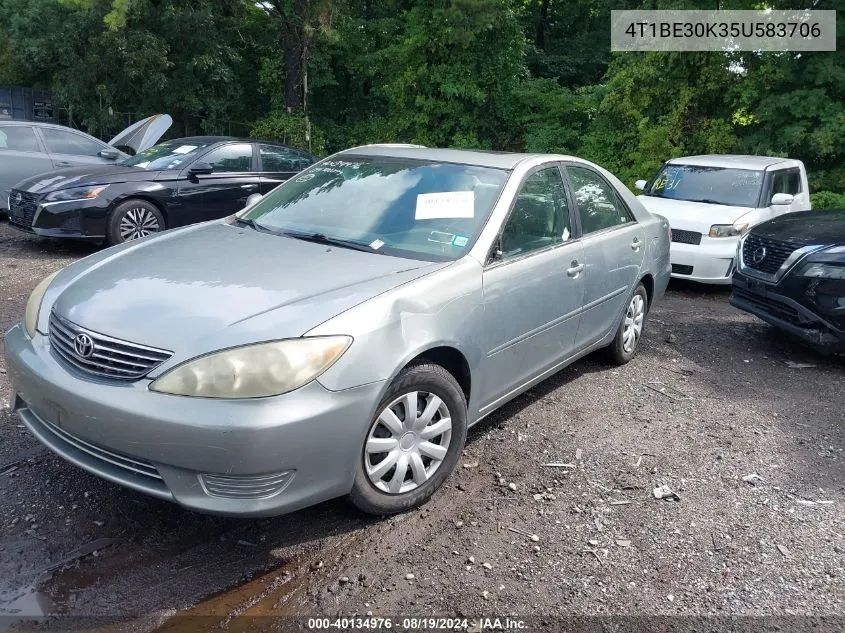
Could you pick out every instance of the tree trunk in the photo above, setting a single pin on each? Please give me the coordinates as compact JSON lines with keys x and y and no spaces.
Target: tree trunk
{"x":540,"y":32}
{"x":294,"y":34}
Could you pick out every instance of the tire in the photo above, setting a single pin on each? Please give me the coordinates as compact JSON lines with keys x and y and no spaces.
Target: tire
{"x":622,"y":349}
{"x":425,"y":470}
{"x":140,"y":214}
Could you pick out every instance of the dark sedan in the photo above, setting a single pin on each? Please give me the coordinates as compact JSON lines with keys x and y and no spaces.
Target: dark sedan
{"x":175,"y":183}
{"x":791,"y":274}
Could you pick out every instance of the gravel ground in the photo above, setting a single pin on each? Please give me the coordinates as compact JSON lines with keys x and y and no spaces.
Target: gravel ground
{"x":709,"y":400}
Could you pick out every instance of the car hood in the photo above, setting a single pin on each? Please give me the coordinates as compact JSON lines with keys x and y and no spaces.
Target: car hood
{"x":825,"y":226}
{"x":142,"y":134}
{"x":218,"y":285}
{"x":84,"y":176}
{"x":698,"y":216}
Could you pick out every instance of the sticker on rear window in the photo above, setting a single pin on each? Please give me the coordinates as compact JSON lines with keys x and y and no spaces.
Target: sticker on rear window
{"x":447,"y":204}
{"x":460,"y":241}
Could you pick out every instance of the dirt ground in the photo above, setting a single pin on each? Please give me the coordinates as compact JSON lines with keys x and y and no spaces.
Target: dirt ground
{"x":709,"y":399}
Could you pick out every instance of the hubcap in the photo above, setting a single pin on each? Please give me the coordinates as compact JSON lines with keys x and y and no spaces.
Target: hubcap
{"x":138,"y":222}
{"x":408,"y":442}
{"x":633,"y":323}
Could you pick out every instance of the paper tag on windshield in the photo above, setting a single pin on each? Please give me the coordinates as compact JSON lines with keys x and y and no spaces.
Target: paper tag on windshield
{"x":449,"y":204}
{"x":376,"y":244}
{"x":184,"y":149}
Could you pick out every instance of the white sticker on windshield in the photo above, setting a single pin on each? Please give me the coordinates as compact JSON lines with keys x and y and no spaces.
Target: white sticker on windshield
{"x":376,"y":244}
{"x":448,"y":204}
{"x":184,"y":149}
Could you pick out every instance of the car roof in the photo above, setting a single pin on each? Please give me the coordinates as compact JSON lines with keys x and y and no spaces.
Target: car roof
{"x":480,"y":158}
{"x":41,"y":124}
{"x":738,"y":161}
{"x":209,"y":140}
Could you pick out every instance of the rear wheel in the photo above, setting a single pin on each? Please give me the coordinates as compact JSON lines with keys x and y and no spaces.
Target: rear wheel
{"x":133,"y":219}
{"x":624,"y":345}
{"x":413,"y":443}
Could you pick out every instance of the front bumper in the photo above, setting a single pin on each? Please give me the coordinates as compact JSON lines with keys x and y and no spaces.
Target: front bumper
{"x":767,"y":302}
{"x":201,"y":453}
{"x":710,"y":262}
{"x":78,"y":219}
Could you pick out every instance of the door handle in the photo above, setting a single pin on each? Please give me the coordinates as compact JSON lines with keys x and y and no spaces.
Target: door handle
{"x":575,"y":269}
{"x":249,"y":187}
{"x":63,"y":163}
{"x":635,"y":245}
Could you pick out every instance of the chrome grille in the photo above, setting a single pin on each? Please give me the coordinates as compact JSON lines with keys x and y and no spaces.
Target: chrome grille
{"x":108,"y":358}
{"x":132,"y":464}
{"x":22,"y":213}
{"x":686,"y":237}
{"x":776,"y":253}
{"x":246,"y":486}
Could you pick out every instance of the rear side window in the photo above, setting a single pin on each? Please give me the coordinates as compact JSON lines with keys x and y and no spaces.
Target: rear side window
{"x":236,"y":157}
{"x":282,"y":159}
{"x":786,"y":181}
{"x":19,"y":138}
{"x":598,"y":205}
{"x":61,"y":142}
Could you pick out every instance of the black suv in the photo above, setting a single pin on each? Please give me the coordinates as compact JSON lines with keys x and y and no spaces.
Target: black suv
{"x":791,"y":274}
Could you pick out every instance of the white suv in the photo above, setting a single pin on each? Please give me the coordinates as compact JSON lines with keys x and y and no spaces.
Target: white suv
{"x":711,"y":200}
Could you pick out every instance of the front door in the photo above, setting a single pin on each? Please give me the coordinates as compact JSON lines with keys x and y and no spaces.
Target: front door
{"x":70,"y":149}
{"x":533,"y":289}
{"x":225,"y":190}
{"x":614,"y":247}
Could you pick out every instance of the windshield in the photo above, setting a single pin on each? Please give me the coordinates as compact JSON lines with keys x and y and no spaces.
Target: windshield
{"x":395,"y":206}
{"x":167,"y":155}
{"x":715,"y":185}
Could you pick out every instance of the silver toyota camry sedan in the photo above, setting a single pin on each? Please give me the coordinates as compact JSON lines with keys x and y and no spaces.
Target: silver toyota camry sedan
{"x":339,"y":336}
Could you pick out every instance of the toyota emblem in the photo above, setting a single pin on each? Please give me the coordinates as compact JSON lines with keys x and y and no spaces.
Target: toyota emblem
{"x":18,"y":198}
{"x":83,"y":345}
{"x":759,"y":255}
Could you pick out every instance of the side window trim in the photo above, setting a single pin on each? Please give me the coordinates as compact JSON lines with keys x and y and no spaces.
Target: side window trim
{"x":631,"y":218}
{"x":490,"y":262}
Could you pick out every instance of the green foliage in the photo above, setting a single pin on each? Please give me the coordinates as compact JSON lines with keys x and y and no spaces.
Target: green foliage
{"x":289,"y":128}
{"x":827,"y":200}
{"x":521,"y":75}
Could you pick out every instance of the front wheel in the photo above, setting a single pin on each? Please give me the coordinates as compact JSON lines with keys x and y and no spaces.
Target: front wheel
{"x":627,"y":338}
{"x":413,"y":443}
{"x":133,"y":219}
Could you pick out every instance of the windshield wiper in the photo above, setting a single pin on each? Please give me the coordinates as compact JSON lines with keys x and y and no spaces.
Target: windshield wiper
{"x":251,"y":223}
{"x":320,"y":238}
{"x":708,"y":201}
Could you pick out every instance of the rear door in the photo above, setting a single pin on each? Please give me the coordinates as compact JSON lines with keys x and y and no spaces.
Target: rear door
{"x":68,"y":148}
{"x":277,"y":164}
{"x":225,"y":190}
{"x":533,"y":290}
{"x":21,"y":156}
{"x":614,"y":246}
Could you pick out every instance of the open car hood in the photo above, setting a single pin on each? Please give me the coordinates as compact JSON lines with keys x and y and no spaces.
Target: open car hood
{"x":143,"y":134}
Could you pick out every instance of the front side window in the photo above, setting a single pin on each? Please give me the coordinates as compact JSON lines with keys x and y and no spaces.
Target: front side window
{"x":598,"y":205}
{"x":786,"y":181}
{"x":282,"y":159}
{"x":540,"y":215}
{"x":168,"y":155}
{"x":20,"y":138}
{"x":420,"y":209}
{"x":61,"y":142}
{"x":230,"y":158}
{"x":711,"y":185}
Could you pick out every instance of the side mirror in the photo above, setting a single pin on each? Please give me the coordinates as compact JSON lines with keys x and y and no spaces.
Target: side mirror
{"x":640,"y":184}
{"x":782,"y":199}
{"x":109,"y":154}
{"x":254,"y":198}
{"x":201,"y":168}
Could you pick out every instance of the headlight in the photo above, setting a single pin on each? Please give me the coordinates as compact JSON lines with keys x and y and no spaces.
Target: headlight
{"x":255,"y":371}
{"x":727,"y":230}
{"x":823,"y":271}
{"x":76,"y":193}
{"x":33,"y":306}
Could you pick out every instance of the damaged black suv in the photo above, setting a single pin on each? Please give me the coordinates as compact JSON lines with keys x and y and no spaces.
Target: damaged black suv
{"x":791,"y":273}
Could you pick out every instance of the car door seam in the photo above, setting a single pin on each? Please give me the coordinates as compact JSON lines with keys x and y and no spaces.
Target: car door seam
{"x":538,"y":330}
